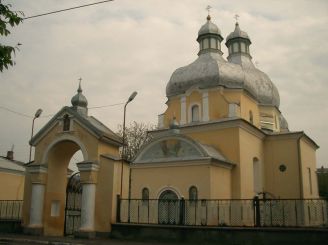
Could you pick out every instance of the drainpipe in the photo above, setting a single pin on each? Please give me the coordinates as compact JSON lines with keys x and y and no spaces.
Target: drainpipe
{"x":300,"y":165}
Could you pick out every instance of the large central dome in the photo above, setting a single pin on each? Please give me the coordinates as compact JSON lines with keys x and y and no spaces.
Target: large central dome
{"x":211,"y":70}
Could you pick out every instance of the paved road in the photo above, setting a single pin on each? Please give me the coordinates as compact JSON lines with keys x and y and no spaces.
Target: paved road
{"x":17,"y":239}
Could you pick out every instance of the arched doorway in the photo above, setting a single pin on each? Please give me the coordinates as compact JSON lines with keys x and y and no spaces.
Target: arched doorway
{"x":54,"y":203}
{"x":168,"y":208}
{"x":73,"y":205}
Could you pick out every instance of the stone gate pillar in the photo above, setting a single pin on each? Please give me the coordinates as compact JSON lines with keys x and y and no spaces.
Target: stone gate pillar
{"x":38,"y":178}
{"x":88,"y":175}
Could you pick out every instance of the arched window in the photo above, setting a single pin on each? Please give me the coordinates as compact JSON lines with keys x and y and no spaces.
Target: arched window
{"x":195,"y":113}
{"x":145,"y":194}
{"x":251,"y":117}
{"x":193,"y":193}
{"x":67,"y":123}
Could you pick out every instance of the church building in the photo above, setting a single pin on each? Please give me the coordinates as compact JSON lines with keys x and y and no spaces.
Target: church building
{"x":222,"y":135}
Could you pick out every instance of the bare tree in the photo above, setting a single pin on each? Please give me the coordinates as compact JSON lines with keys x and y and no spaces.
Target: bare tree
{"x":136,"y":135}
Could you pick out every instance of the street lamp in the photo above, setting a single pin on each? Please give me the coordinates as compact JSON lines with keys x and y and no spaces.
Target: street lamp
{"x":37,"y":115}
{"x":132,"y":96}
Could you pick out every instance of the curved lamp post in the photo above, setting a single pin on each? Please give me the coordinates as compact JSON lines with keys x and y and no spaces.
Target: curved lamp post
{"x":132,"y":96}
{"x":37,"y":115}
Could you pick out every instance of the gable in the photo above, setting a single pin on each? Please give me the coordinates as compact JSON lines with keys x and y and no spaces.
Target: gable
{"x":177,"y":147}
{"x":89,"y":123}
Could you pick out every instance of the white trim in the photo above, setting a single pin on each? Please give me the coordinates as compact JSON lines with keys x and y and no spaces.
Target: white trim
{"x":36,"y":209}
{"x":87,"y":166}
{"x":169,"y":188}
{"x":183,"y":112}
{"x":65,"y":137}
{"x":88,"y":207}
{"x":37,"y":169}
{"x":205,"y":109}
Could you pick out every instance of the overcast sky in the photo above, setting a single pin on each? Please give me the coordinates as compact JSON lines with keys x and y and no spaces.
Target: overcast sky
{"x":128,"y":45}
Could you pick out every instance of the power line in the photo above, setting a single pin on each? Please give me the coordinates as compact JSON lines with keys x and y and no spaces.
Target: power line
{"x":15,"y":112}
{"x":97,"y":107}
{"x":63,"y":10}
{"x":49,"y":115}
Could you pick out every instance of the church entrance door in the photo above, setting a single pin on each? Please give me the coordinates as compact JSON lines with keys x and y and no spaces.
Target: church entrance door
{"x":168,"y":208}
{"x":73,"y":205}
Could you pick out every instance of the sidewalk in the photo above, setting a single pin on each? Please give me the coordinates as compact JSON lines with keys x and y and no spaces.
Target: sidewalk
{"x":24,"y":239}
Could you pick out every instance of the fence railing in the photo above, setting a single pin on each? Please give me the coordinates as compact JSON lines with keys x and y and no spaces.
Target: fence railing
{"x":11,"y":210}
{"x":238,"y":212}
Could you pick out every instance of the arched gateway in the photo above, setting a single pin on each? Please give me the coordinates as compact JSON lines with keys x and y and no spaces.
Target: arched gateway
{"x":46,"y":201}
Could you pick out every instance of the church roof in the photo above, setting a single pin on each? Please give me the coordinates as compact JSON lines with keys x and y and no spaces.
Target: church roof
{"x":210,"y":70}
{"x":91,"y":123}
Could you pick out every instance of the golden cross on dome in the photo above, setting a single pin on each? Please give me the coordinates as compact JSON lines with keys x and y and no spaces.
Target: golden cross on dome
{"x":236,"y":17}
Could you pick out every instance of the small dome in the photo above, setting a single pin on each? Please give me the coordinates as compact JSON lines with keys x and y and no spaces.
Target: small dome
{"x":174,"y":123}
{"x":238,"y":33}
{"x":79,"y":99}
{"x":209,"y":28}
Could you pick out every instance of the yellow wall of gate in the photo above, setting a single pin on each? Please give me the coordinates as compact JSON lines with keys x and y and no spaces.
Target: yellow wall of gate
{"x":108,"y":187}
{"x":54,"y":151}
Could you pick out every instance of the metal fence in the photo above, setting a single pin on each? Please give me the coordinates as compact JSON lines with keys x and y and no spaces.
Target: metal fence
{"x":239,"y":212}
{"x":11,"y":210}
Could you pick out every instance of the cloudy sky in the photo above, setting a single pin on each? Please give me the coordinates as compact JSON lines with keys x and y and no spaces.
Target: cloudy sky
{"x":128,"y":45}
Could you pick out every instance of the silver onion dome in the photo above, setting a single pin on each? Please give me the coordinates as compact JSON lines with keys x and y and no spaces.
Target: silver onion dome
{"x":79,"y":102}
{"x":238,"y":33}
{"x":79,"y":99}
{"x":209,"y":28}
{"x":211,"y":70}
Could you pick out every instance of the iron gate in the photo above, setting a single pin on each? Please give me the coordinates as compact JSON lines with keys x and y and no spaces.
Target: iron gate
{"x":168,"y":208}
{"x":73,"y":204}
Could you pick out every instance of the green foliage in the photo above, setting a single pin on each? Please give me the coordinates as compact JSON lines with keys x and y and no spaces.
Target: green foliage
{"x":8,"y":18}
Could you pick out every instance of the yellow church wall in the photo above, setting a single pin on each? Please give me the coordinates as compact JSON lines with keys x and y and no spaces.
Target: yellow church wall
{"x":248,"y":104}
{"x":308,"y":162}
{"x":226,"y":141}
{"x":173,"y":110}
{"x":220,"y":183}
{"x":218,"y":106}
{"x":11,"y":186}
{"x":282,"y":150}
{"x":251,"y":146}
{"x":179,"y":178}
